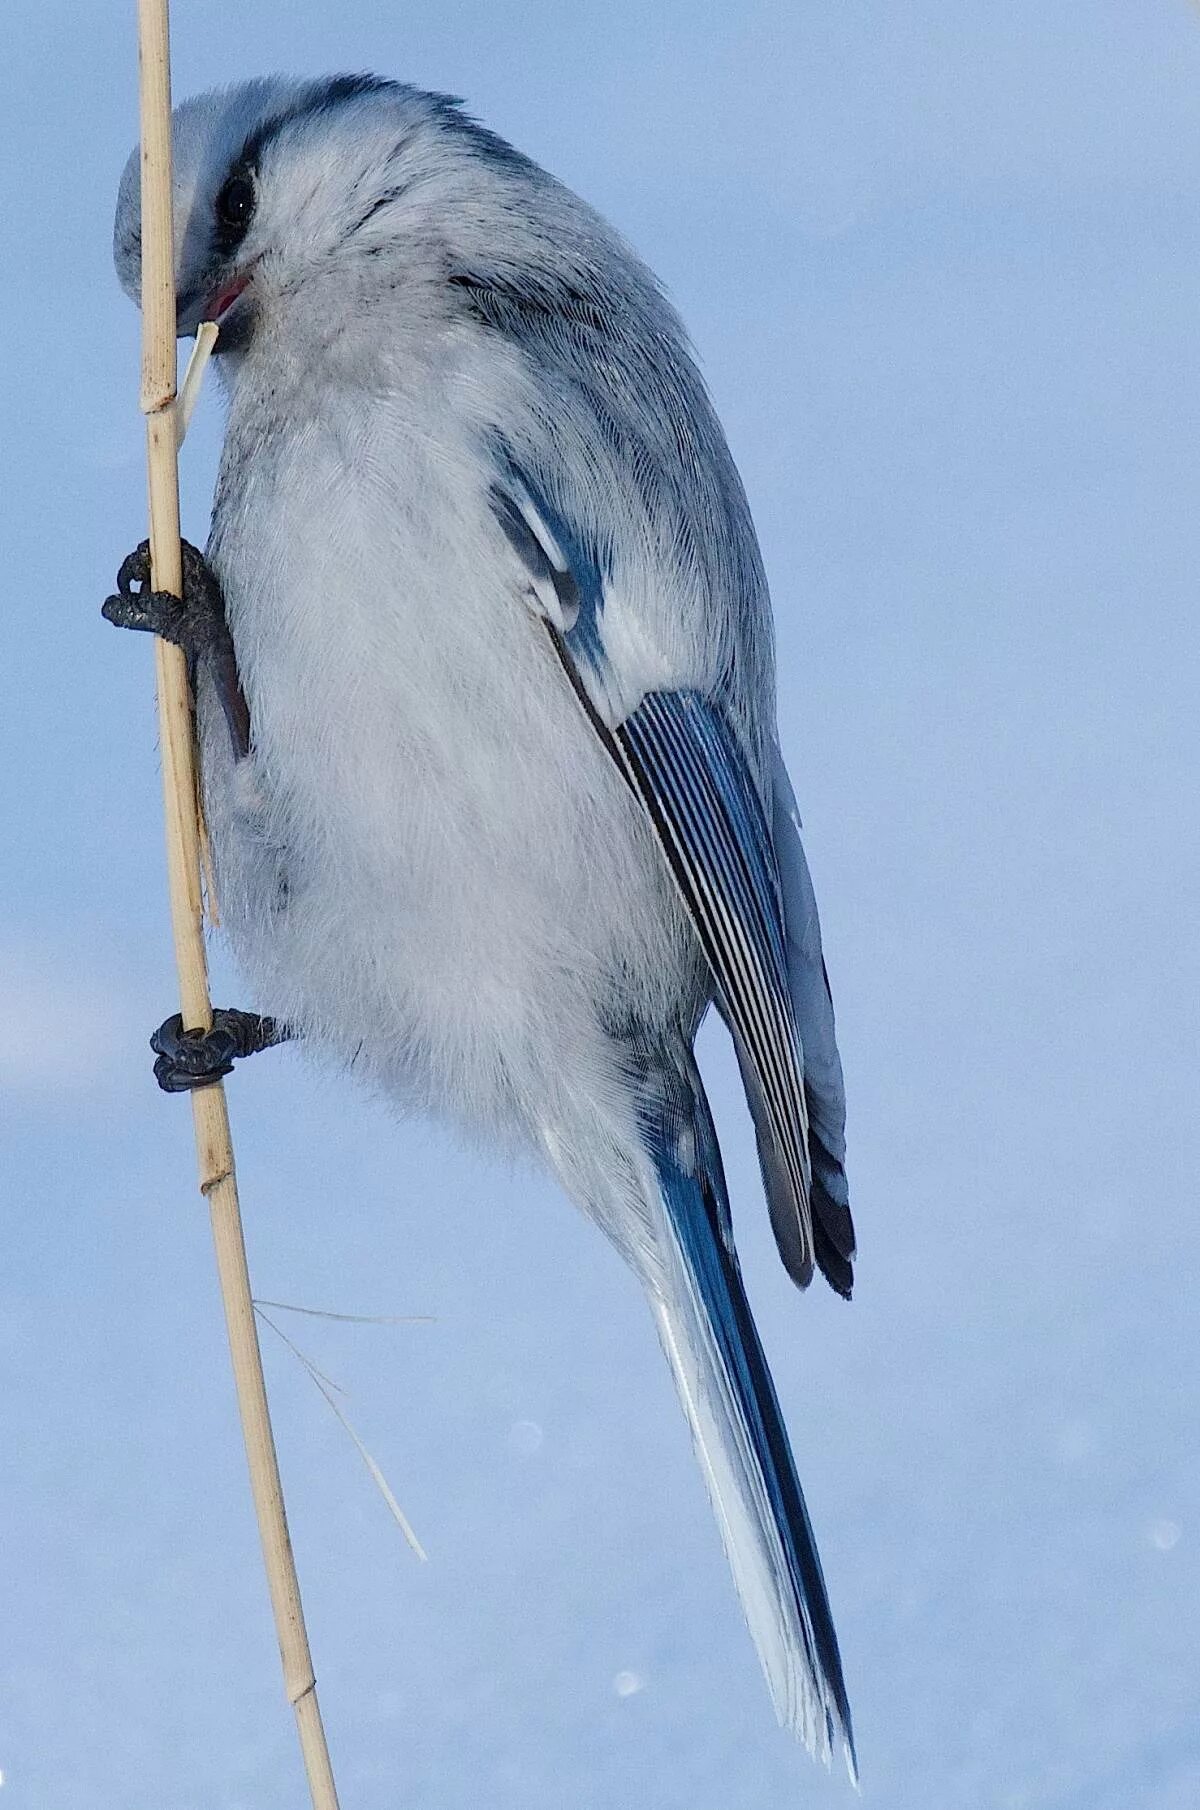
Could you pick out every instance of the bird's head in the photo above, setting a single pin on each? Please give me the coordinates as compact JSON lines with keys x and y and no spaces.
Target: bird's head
{"x":289,"y":188}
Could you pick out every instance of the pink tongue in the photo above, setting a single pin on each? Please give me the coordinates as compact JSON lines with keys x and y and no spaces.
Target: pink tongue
{"x":224,"y":298}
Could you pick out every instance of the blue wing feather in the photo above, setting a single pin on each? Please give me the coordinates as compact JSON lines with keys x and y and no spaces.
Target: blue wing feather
{"x":757,"y":927}
{"x":696,"y":790}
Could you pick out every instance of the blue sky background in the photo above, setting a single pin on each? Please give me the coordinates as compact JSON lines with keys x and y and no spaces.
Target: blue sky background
{"x":941,"y":264}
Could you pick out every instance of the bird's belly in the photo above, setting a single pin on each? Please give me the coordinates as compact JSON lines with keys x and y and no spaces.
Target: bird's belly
{"x":432,"y":868}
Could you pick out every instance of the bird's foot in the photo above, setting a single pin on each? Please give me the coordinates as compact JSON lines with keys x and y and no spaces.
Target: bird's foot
{"x":195,"y":622}
{"x":189,"y":1059}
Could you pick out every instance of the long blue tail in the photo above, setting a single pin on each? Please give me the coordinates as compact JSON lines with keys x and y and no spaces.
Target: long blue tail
{"x":721,"y":1373}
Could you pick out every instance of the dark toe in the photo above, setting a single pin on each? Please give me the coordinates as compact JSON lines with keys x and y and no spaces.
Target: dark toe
{"x":175,"y":1080}
{"x":159,"y":612}
{"x":128,"y":609}
{"x":134,"y":569}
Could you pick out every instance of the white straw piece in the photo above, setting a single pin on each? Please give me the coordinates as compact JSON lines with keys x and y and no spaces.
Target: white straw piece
{"x":193,"y":377}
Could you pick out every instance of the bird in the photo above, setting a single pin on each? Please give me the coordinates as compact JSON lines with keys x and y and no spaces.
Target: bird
{"x":484,"y":682}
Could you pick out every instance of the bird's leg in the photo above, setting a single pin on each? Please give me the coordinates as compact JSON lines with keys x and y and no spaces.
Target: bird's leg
{"x":188,"y":1059}
{"x":195,"y":622}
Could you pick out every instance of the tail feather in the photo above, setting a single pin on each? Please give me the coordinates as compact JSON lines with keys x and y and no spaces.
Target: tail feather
{"x":721,"y":1373}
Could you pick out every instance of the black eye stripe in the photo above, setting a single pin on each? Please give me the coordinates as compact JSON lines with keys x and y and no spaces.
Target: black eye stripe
{"x":234,"y":208}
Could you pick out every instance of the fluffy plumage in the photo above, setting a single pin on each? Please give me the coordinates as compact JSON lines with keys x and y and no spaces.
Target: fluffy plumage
{"x":514,"y":814}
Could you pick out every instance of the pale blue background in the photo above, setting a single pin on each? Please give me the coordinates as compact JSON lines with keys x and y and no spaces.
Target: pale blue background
{"x":941,"y":263}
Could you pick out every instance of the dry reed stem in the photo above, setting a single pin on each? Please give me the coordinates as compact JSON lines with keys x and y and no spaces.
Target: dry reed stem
{"x":180,"y":801}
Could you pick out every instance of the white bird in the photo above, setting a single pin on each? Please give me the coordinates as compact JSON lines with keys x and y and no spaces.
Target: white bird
{"x":485,"y":696}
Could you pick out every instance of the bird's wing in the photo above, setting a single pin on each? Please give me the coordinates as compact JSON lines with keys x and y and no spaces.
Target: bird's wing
{"x":808,"y":984}
{"x":681,"y":758}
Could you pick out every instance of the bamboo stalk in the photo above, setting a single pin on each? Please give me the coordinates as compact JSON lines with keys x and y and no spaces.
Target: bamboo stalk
{"x":214,"y":1147}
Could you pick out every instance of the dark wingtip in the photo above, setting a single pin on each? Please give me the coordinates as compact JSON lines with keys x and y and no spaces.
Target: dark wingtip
{"x":837,"y":1270}
{"x":830,"y":1196}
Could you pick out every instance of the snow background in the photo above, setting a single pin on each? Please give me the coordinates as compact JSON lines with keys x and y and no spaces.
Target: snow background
{"x":942,"y":267}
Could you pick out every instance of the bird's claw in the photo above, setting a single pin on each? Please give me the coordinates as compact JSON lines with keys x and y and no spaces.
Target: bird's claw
{"x":191,"y":1059}
{"x":193,"y":622}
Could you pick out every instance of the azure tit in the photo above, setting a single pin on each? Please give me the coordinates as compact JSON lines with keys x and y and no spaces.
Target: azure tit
{"x":484,"y":677}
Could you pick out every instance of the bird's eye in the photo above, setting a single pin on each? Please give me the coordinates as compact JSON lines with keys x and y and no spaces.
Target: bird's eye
{"x":235,"y":205}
